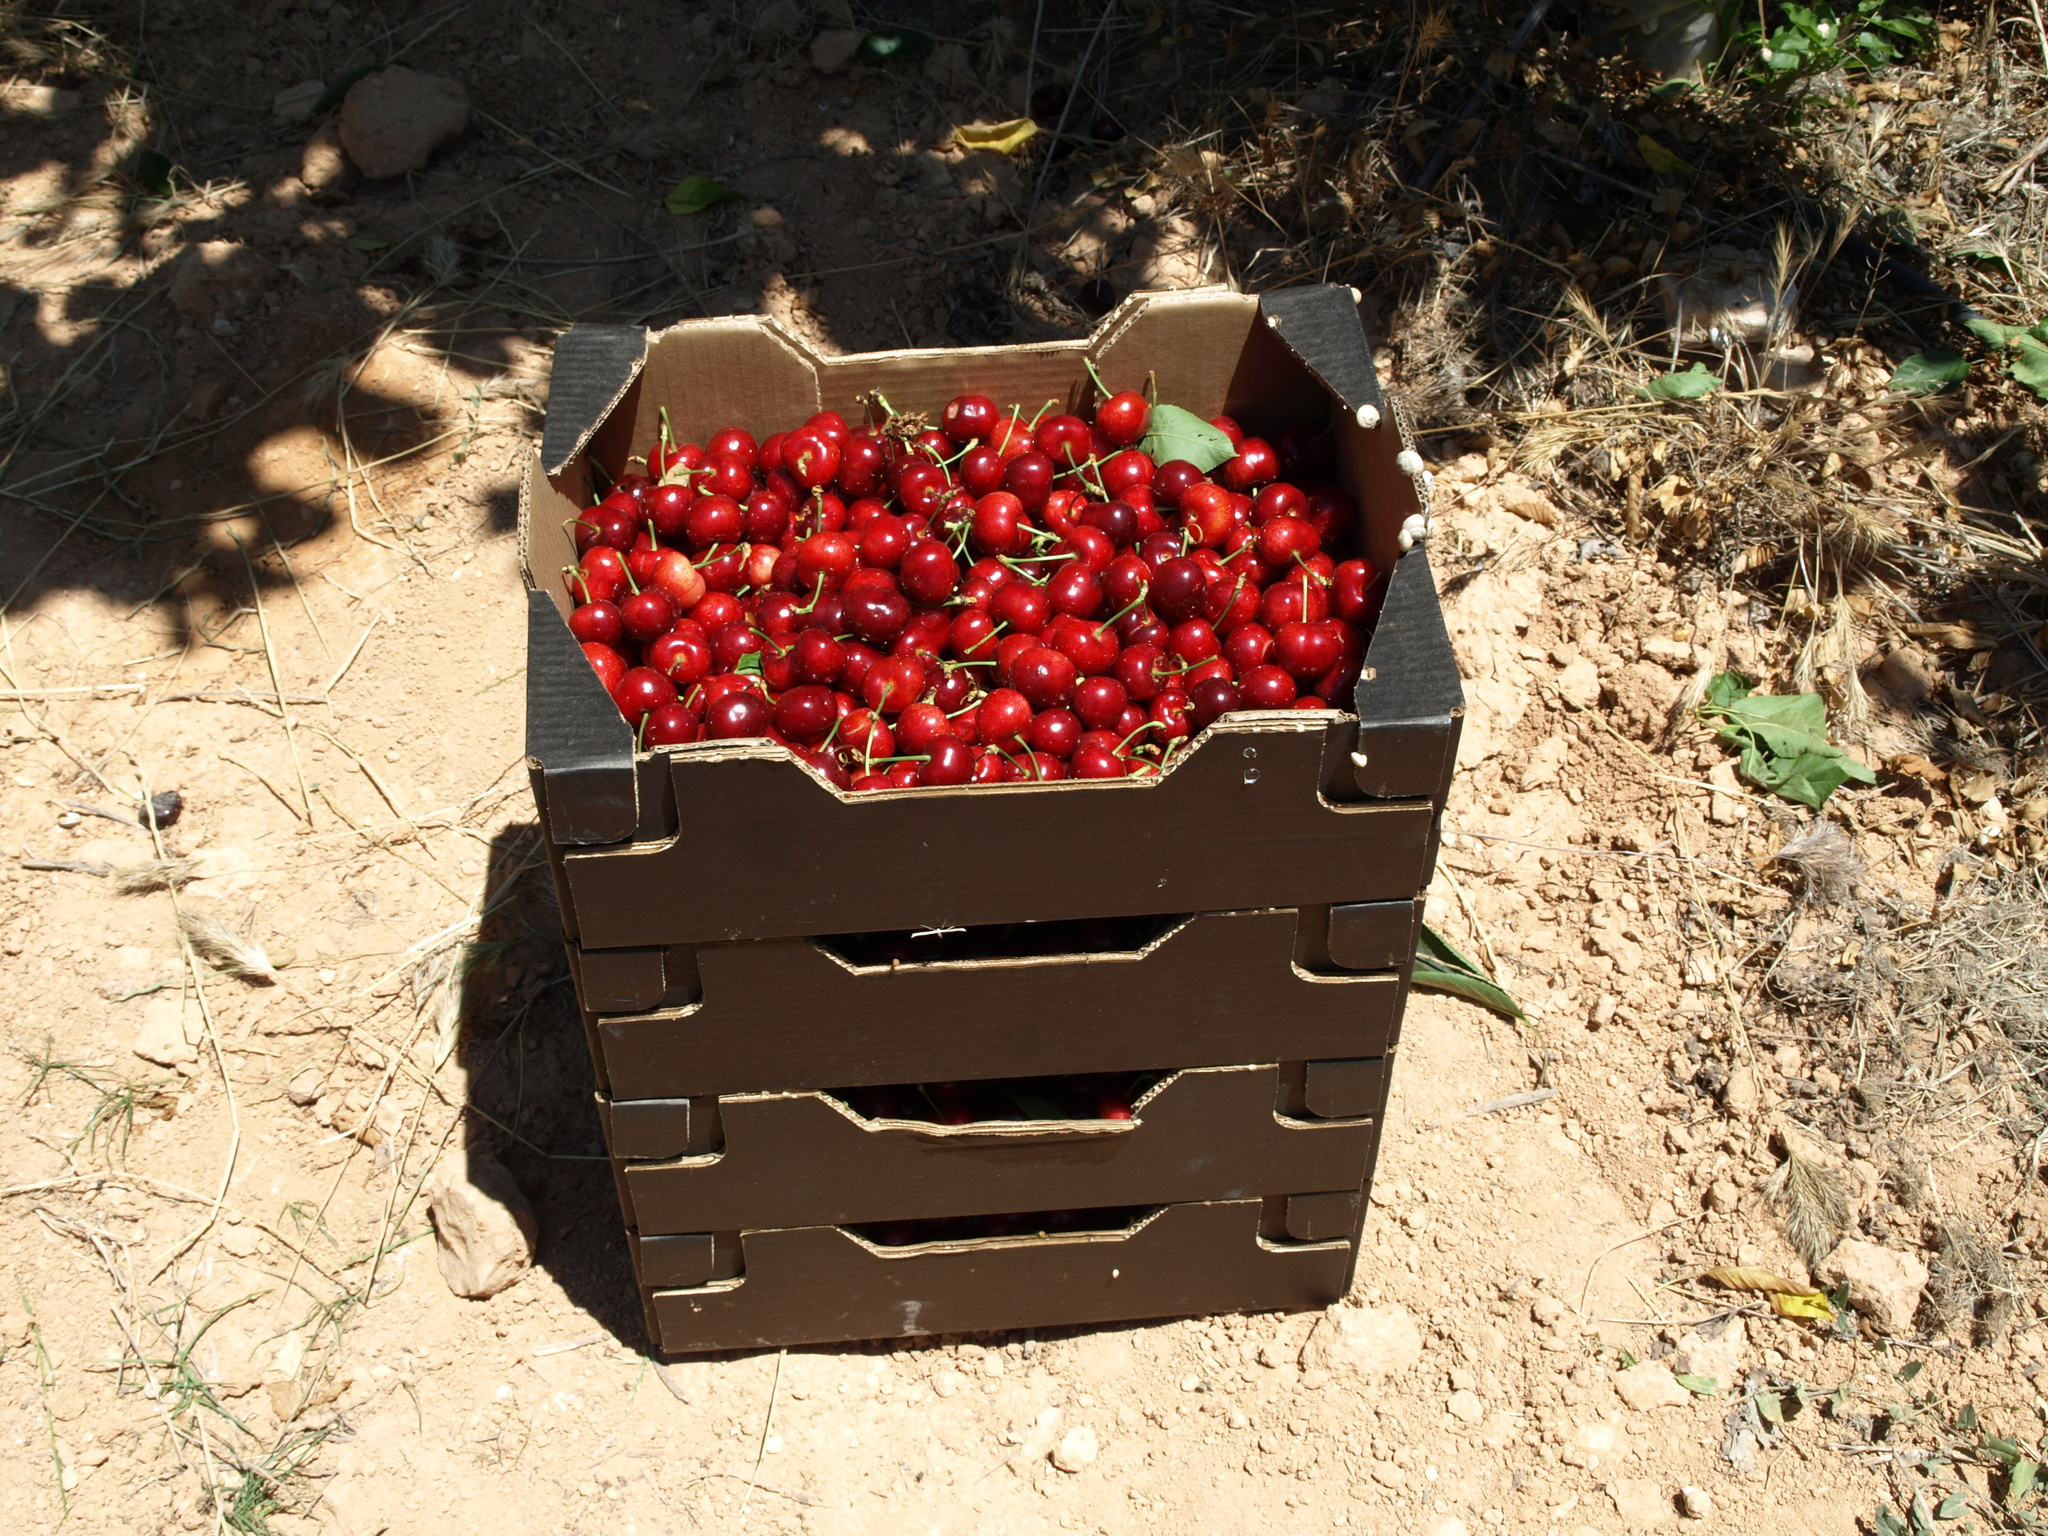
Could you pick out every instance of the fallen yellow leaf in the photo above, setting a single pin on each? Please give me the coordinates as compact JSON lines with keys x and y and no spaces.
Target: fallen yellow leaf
{"x":998,"y":138}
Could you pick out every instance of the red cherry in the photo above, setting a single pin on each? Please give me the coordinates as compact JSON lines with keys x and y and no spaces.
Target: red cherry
{"x":825,"y":560}
{"x":1097,"y":762}
{"x":1255,"y":464}
{"x":811,"y":458}
{"x":892,"y":684}
{"x":1171,"y":480}
{"x":733,"y":443}
{"x":1306,"y":650}
{"x":1267,"y":687}
{"x":980,"y":469}
{"x":1024,"y":606}
{"x":1207,"y":512}
{"x":1028,"y":477}
{"x":1122,"y":417}
{"x":1332,"y":512}
{"x":1247,"y":646}
{"x":806,"y":713}
{"x":1355,"y":593}
{"x":717,"y":610}
{"x":768,"y":516}
{"x":1044,"y":676}
{"x":683,"y":656}
{"x":727,"y":476}
{"x":1278,"y":500}
{"x":769,"y":454}
{"x":863,"y":466}
{"x":672,"y":725}
{"x":640,"y":690}
{"x":1169,"y":716}
{"x":1118,"y":520}
{"x":1099,"y":701}
{"x":1003,"y":717}
{"x":725,"y":568}
{"x":929,"y":573}
{"x":734,"y":715}
{"x":919,"y":726}
{"x":832,"y":424}
{"x":1065,"y":440}
{"x":648,"y":613}
{"x":1062,"y":510}
{"x":1195,"y":642}
{"x":1055,"y":732}
{"x":951,"y":761}
{"x":920,"y":486}
{"x":969,"y":416}
{"x":600,"y":576}
{"x":1110,"y":1107}
{"x":1008,"y":649}
{"x":1126,"y":471}
{"x":733,"y":644}
{"x":1228,"y":426}
{"x":998,"y":527}
{"x":819,"y":658}
{"x":1092,"y":648}
{"x":1284,"y":538}
{"x":1297,"y":600}
{"x":607,"y":663}
{"x":876,"y":614}
{"x":972,"y":635}
{"x":667,"y":508}
{"x":1143,"y":670}
{"x":868,"y":781}
{"x":1074,"y":590}
{"x":1210,"y":698}
{"x":674,"y":574}
{"x":1178,"y":588}
{"x":864,"y":732}
{"x":598,"y":622}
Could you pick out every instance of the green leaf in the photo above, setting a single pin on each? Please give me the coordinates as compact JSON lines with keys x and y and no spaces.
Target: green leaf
{"x":1474,"y":989}
{"x":1770,"y":1407}
{"x":1989,"y":256}
{"x":1783,"y":739}
{"x":2031,"y":366}
{"x":1926,"y":371}
{"x":1889,"y":1524}
{"x":1695,"y":383}
{"x":1966,"y":1417}
{"x":2022,"y":1484}
{"x":1704,"y":1386}
{"x":2004,"y":1451}
{"x":153,"y":173}
{"x":893,"y":44}
{"x":693,"y":194}
{"x":1660,"y":159}
{"x":368,"y":243}
{"x":1447,"y":955}
{"x":1954,"y":1506}
{"x":1173,"y":433}
{"x":1990,"y":332}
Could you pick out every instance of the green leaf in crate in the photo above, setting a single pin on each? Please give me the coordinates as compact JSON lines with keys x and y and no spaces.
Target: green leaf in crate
{"x":1173,"y":433}
{"x":1927,"y":371}
{"x":1442,"y":967}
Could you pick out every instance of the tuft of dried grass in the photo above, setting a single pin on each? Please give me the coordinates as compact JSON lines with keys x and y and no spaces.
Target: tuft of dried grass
{"x":1970,"y":1279}
{"x":1826,"y":860}
{"x":155,"y":875}
{"x":225,"y":949}
{"x":1812,"y":1199}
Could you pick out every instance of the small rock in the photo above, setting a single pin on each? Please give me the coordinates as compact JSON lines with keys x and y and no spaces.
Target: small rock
{"x":218,"y":277}
{"x":295,"y":103}
{"x":483,"y":1225}
{"x":306,"y":1088}
{"x":1596,"y":1440}
{"x":1077,"y":1448}
{"x":1740,"y":1099}
{"x":1720,"y":1358}
{"x":1388,"y":1475}
{"x":324,"y":170}
{"x":167,"y":1037}
{"x":1369,"y":1342}
{"x":1579,"y":684}
{"x":1450,"y":1525}
{"x":1465,"y":1407}
{"x":1695,"y":1503}
{"x":946,"y":1383}
{"x":1723,"y":1197}
{"x":833,"y":49}
{"x":1675,"y":654}
{"x":778,"y":18}
{"x":240,"y":1242}
{"x":1728,"y":803}
{"x":1649,"y":1384}
{"x":393,"y":120}
{"x":1883,"y":1283}
{"x":1544,"y":763}
{"x":1639,"y":1502}
{"x":14,"y":1328}
{"x":1272,"y":1356}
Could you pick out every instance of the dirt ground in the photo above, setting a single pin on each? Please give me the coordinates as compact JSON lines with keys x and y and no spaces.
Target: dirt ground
{"x":262,"y":553}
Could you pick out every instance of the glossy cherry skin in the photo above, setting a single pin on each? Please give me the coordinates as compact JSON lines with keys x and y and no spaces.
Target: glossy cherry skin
{"x":683,"y":657}
{"x":892,"y":684}
{"x":1055,"y":732}
{"x":1075,"y":590}
{"x":825,"y":560}
{"x":1066,"y":440}
{"x":1207,"y":513}
{"x":640,"y":690}
{"x":876,"y":614}
{"x":1278,"y":500}
{"x":1143,"y":670}
{"x":1022,"y":605}
{"x":1118,"y":521}
{"x":1092,"y":648}
{"x":968,"y":417}
{"x":806,"y":713}
{"x":600,"y":576}
{"x":647,"y":614}
{"x":607,"y":663}
{"x":1003,"y":717}
{"x":811,"y":458}
{"x":979,"y":469}
{"x":819,"y":657}
{"x":1178,"y":588}
{"x":1029,"y":478}
{"x":1122,"y":417}
{"x":717,"y":610}
{"x":1255,"y":464}
{"x":1306,"y":650}
{"x":1044,"y":676}
{"x":1211,"y":698}
{"x":1097,"y":762}
{"x":672,"y":725}
{"x":863,"y":466}
{"x":928,"y":572}
{"x":1355,"y":594}
{"x":1099,"y":701}
{"x":1267,"y":687}
{"x":1247,"y":646}
{"x":865,"y":732}
{"x":732,"y":442}
{"x":998,"y":527}
{"x":1169,"y":716}
{"x":737,"y":714}
{"x":950,"y":762}
{"x":1127,"y":471}
{"x":599,"y":622}
{"x":1172,"y":479}
{"x":733,"y":644}
{"x":1297,"y":600}
{"x":673,"y":573}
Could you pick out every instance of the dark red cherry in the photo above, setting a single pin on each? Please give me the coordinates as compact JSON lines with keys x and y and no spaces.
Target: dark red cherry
{"x":641,"y":690}
{"x":738,"y":714}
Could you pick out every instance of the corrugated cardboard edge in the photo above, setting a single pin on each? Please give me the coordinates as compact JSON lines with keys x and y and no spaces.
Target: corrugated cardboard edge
{"x":594,"y":366}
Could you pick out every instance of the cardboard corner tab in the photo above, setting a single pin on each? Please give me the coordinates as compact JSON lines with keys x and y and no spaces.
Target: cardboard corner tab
{"x":594,"y":366}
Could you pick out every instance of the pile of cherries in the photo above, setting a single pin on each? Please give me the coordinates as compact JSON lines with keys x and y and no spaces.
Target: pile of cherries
{"x":991,"y":600}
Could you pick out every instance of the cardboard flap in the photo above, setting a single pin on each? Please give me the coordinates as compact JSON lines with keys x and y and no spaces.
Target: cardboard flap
{"x":594,"y":366}
{"x":575,"y":735}
{"x":1320,"y":325}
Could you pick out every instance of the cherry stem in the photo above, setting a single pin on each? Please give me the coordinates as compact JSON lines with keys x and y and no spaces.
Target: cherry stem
{"x":1144,"y":591}
{"x":971,"y":445}
{"x":1141,"y":730}
{"x":640,"y":735}
{"x":1043,"y":533}
{"x":1151,"y":386}
{"x":574,"y":576}
{"x":667,"y":433}
{"x":1035,"y":420}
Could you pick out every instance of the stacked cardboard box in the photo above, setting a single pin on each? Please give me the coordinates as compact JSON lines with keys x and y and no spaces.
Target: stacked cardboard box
{"x":725,"y":909}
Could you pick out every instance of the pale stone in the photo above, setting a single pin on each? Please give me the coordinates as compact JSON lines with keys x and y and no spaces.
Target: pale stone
{"x":1544,"y":763}
{"x":1740,"y":1097}
{"x":306,"y":1088}
{"x":1723,"y":1197}
{"x":1579,"y":684}
{"x":1718,"y":1359}
{"x":1675,"y":654}
{"x":167,"y":1036}
{"x":1076,"y":1450}
{"x":1695,"y":1503}
{"x":1883,"y":1283}
{"x":295,"y":103}
{"x":1649,"y":1384}
{"x":1371,"y":1343}
{"x":1729,"y":801}
{"x":392,"y":121}
{"x":1465,"y":1407}
{"x":1639,"y":1502}
{"x":483,"y":1224}
{"x":323,"y":168}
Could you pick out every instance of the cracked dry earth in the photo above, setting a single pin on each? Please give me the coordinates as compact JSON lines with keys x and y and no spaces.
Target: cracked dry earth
{"x":1510,"y":1359}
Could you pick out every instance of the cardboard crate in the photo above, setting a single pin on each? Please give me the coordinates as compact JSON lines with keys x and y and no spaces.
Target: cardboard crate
{"x":814,"y":1285}
{"x":1284,"y":808}
{"x":804,"y":1159}
{"x":1217,"y":989}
